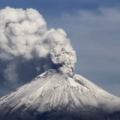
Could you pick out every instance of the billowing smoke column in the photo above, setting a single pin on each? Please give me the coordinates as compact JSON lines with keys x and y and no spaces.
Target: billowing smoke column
{"x":24,"y":37}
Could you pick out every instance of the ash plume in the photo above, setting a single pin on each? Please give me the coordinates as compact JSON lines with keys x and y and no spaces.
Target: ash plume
{"x":28,"y":47}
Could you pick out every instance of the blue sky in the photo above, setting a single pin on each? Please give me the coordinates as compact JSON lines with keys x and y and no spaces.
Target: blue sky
{"x":94,"y":30}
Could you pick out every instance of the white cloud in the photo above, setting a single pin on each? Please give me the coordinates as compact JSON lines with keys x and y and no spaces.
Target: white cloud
{"x":25,"y":37}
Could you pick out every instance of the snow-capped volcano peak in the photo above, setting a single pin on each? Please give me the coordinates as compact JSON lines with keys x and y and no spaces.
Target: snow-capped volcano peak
{"x":57,"y":92}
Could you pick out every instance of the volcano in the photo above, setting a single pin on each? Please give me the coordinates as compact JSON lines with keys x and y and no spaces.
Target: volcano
{"x":57,"y":96}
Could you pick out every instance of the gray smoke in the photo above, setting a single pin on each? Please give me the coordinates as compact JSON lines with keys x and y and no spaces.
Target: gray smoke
{"x":27,"y":46}
{"x":10,"y":72}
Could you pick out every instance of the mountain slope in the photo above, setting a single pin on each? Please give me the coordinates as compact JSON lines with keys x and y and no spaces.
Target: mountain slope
{"x":53,"y":95}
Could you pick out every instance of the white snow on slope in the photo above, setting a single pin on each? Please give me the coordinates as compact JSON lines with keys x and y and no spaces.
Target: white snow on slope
{"x":54,"y":91}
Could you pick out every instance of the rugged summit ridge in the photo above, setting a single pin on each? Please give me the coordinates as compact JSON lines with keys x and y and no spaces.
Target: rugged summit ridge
{"x":53,"y":95}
